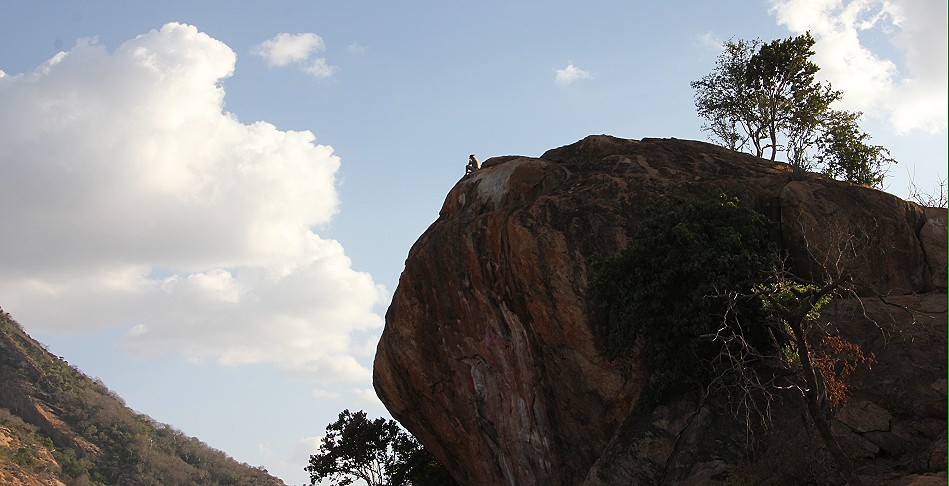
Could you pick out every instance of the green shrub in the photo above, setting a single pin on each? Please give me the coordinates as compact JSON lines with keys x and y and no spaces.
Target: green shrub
{"x":25,"y":457}
{"x":669,"y":290}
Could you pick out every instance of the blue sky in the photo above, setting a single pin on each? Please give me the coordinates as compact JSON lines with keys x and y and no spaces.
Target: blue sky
{"x":207,"y":205}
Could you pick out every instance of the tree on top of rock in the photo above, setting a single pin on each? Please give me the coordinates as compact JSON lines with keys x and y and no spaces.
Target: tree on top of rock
{"x":764,"y":99}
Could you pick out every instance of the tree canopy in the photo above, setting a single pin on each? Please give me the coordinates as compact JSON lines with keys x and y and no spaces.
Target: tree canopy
{"x":376,"y":451}
{"x":764,"y":98}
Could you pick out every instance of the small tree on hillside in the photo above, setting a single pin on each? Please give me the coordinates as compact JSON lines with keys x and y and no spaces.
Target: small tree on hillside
{"x":763,"y":98}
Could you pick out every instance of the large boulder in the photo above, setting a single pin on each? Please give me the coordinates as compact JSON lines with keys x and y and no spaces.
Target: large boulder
{"x":490,"y":355}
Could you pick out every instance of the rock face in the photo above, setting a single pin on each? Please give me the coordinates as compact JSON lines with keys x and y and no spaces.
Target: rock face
{"x":490,"y":356}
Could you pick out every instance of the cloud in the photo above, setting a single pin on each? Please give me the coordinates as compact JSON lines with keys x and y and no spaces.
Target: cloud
{"x":319,"y":69}
{"x":570,"y":74}
{"x":367,"y":398}
{"x":907,"y":87}
{"x":357,"y":49}
{"x":308,"y":446}
{"x":304,"y":448}
{"x":709,"y":40}
{"x":285,"y":49}
{"x":130,"y":200}
{"x":324,"y":395}
{"x":287,"y":462}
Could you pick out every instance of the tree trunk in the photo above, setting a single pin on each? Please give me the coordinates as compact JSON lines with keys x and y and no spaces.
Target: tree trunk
{"x":813,"y":404}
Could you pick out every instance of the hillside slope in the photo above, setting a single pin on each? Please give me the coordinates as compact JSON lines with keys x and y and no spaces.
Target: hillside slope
{"x":59,"y":426}
{"x":492,"y":357}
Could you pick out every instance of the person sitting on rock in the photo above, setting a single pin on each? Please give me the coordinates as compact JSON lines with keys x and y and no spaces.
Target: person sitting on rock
{"x":473,"y":164}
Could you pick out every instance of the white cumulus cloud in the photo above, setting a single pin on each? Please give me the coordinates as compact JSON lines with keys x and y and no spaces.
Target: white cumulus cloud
{"x":130,"y":199}
{"x":285,"y":49}
{"x":909,"y":86}
{"x":570,"y":74}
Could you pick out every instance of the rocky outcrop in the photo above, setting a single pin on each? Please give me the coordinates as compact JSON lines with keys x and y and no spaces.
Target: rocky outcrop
{"x":37,"y":461}
{"x":893,"y":425}
{"x":490,"y":356}
{"x":879,"y":239}
{"x":18,"y":397}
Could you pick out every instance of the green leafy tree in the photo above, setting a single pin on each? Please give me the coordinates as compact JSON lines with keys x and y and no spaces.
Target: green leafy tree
{"x":786,"y":97}
{"x":846,"y":154}
{"x":725,"y":101}
{"x":416,"y":466}
{"x":763,"y":98}
{"x":355,"y":447}
{"x":376,"y":451}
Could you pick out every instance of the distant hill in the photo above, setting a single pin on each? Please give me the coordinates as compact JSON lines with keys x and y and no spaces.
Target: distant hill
{"x":58,"y":426}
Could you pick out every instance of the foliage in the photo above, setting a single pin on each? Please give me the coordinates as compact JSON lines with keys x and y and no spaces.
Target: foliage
{"x":845,"y":153}
{"x":701,"y":293}
{"x":835,"y":358}
{"x":825,"y":360}
{"x":355,"y":447}
{"x":23,"y":446}
{"x":665,"y":290}
{"x":724,"y":99}
{"x":376,"y":451}
{"x":794,"y":308}
{"x":780,"y":292}
{"x":764,"y":98}
{"x":416,"y":466}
